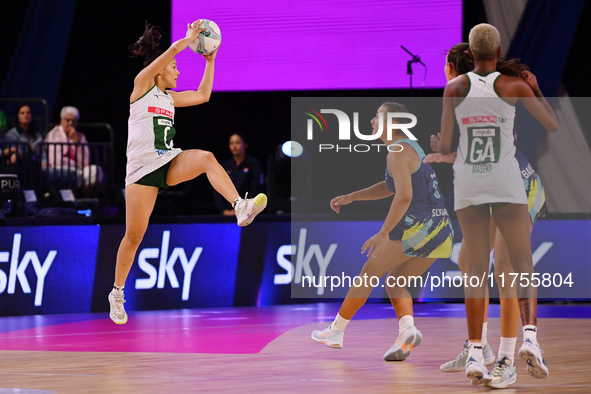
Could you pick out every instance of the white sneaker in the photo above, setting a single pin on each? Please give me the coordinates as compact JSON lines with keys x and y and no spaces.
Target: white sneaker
{"x":248,"y":208}
{"x":476,"y":371}
{"x":405,"y":342}
{"x":532,"y":355}
{"x":503,"y":374}
{"x":333,"y":339}
{"x":117,"y":313}
{"x":458,"y":364}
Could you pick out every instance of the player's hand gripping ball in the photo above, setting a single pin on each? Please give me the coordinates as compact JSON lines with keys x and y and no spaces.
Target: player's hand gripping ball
{"x":209,"y":40}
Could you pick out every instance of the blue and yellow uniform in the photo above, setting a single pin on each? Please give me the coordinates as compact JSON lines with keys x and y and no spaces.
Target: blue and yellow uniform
{"x":425,"y":230}
{"x":536,"y":198}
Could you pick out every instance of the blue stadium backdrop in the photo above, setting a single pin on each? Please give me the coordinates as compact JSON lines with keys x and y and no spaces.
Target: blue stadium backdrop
{"x":69,"y":269}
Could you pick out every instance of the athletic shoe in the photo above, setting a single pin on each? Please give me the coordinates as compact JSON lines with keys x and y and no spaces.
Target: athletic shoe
{"x":248,"y":208}
{"x":333,"y":339}
{"x":476,"y":371}
{"x":117,"y":313}
{"x":488,"y":355}
{"x":405,"y":342}
{"x":532,"y":355}
{"x":458,"y":364}
{"x":503,"y":374}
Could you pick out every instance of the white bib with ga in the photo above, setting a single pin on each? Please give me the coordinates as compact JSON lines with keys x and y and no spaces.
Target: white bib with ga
{"x":485,"y":168}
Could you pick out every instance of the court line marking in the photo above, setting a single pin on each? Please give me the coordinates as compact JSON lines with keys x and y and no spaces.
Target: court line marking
{"x":282,"y":379}
{"x":146,"y":330}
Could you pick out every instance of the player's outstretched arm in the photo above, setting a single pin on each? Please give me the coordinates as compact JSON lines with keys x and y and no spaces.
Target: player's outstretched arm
{"x":145,"y":79}
{"x":203,"y":93}
{"x":375,"y":192}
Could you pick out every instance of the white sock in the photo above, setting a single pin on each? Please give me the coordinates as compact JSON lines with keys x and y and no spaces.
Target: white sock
{"x":117,"y":290}
{"x":530,"y":332}
{"x":507,"y":348}
{"x":339,"y":323}
{"x":475,"y":350}
{"x":405,"y":322}
{"x":484,"y":329}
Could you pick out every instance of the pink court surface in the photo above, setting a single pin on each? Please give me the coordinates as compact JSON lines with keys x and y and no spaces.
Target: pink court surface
{"x":268,"y":349}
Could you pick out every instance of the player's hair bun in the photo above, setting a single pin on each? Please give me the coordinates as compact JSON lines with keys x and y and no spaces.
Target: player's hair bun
{"x":148,"y":45}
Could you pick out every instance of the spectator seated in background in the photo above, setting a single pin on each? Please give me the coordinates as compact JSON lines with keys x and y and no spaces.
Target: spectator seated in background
{"x":24,"y":132}
{"x":68,"y":156}
{"x":245,"y":172}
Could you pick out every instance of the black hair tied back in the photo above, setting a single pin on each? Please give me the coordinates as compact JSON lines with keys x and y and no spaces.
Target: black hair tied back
{"x":460,"y":58}
{"x":148,"y":45}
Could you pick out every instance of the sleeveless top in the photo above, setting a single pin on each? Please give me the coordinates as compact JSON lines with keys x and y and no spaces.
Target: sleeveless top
{"x":485,"y":169}
{"x":150,"y":133}
{"x":427,"y":199}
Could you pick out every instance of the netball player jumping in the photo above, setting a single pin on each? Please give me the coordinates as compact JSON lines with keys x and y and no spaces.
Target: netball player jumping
{"x":415,"y":233}
{"x":487,"y":177}
{"x":152,"y":160}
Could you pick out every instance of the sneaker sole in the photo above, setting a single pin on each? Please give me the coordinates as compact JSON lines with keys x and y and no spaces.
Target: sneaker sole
{"x":401,"y":354}
{"x":115,"y":320}
{"x":502,"y":385}
{"x":261,"y":202}
{"x":477,"y":377}
{"x":453,"y":370}
{"x":112,"y":316}
{"x":533,"y":367}
{"x":330,"y":344}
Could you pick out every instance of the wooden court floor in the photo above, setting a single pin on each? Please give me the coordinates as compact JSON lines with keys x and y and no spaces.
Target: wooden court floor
{"x":292,"y":362}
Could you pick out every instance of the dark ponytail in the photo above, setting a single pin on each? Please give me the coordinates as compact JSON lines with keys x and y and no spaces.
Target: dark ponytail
{"x":511,"y":67}
{"x":148,"y":45}
{"x":458,"y":56}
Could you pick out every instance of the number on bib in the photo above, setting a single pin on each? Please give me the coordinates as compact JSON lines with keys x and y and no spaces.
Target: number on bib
{"x":433,"y":188}
{"x":484,"y":145}
{"x":164,"y":132}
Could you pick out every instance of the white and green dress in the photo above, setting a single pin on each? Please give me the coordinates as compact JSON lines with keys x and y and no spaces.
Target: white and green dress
{"x":150,"y":133}
{"x":485,"y":169}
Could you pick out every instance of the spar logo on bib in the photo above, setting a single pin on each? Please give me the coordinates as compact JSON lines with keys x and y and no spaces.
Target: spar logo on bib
{"x":483,"y":119}
{"x":160,"y":111}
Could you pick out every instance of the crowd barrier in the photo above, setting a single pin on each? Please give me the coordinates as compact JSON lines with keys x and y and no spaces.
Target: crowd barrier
{"x":85,"y":168}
